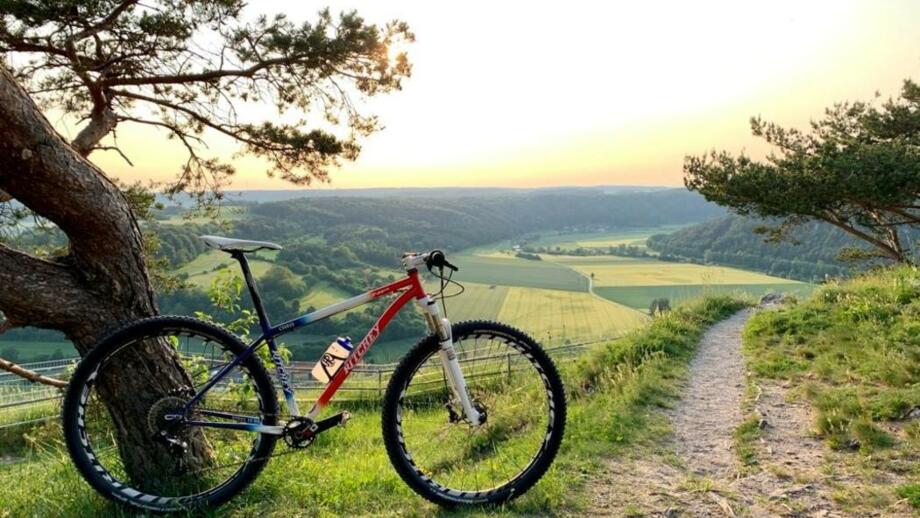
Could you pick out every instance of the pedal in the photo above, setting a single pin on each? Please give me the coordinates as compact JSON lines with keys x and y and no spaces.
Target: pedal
{"x":337,"y":420}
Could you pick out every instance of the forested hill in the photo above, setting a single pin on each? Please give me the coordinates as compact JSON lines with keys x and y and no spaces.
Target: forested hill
{"x":810,"y":255}
{"x":377,"y":230}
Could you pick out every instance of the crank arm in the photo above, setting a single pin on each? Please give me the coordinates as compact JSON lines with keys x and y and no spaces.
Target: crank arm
{"x":337,"y":420}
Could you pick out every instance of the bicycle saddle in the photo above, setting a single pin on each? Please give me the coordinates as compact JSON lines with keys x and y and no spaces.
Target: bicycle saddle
{"x":228,"y":244}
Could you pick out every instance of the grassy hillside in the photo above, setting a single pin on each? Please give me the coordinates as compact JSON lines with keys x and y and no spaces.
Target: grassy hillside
{"x":853,"y":352}
{"x":346,"y":472}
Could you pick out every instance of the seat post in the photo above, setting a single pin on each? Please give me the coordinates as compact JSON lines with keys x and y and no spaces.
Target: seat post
{"x":253,"y":290}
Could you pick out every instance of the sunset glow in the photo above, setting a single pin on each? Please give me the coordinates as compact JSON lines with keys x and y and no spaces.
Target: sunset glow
{"x":586,"y":93}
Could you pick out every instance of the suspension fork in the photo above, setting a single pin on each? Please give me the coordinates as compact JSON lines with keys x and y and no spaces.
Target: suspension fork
{"x":440,"y":326}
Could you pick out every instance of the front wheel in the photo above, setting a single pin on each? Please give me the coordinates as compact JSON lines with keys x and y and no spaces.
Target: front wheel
{"x":510,"y":380}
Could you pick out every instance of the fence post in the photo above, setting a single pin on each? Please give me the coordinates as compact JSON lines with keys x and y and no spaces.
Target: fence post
{"x":379,"y":381}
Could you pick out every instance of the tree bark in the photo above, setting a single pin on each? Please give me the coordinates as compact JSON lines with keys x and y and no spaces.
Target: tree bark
{"x":101,"y":122}
{"x":101,"y":283}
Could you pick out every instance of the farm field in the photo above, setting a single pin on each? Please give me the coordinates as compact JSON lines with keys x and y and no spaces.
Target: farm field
{"x":640,"y":297}
{"x":651,"y":272}
{"x":202,"y":269}
{"x":227,"y":213}
{"x":206,"y":262}
{"x":512,"y":271}
{"x":556,"y":316}
{"x":477,"y":302}
{"x":632,"y":237}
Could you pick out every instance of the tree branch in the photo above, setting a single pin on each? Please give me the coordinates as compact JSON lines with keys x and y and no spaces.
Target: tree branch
{"x":842,"y":224}
{"x":32,"y":376}
{"x":106,"y":22}
{"x":37,"y":292}
{"x":210,"y":75}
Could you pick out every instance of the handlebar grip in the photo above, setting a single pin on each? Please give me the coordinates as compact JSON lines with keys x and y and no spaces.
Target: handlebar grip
{"x":436,"y":259}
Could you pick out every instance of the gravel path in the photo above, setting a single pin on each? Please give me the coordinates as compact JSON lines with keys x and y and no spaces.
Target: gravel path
{"x":698,"y":473}
{"x":711,"y":401}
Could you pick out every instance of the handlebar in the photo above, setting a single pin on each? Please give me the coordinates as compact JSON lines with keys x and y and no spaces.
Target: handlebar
{"x":433,"y":259}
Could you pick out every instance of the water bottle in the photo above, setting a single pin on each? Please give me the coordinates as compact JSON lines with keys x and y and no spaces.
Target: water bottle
{"x":332,"y":360}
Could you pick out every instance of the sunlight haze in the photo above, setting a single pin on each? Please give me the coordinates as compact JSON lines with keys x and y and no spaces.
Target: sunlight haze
{"x":584,"y":93}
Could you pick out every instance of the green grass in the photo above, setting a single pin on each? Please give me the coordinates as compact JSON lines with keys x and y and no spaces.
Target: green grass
{"x":612,"y":392}
{"x":512,"y":271}
{"x":745,"y":438}
{"x":853,"y":351}
{"x":911,"y":493}
{"x":639,"y":297}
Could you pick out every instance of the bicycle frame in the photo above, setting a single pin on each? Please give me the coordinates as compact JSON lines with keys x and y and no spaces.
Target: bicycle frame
{"x":409,"y":287}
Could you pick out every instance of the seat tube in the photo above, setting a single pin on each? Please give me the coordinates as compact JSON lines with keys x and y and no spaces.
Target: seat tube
{"x":451,"y":365}
{"x":253,"y":291}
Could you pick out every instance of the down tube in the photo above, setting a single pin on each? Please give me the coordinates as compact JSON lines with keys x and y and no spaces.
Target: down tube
{"x":360,"y":351}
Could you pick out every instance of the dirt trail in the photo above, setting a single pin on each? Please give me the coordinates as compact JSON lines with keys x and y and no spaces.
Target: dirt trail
{"x":698,"y":472}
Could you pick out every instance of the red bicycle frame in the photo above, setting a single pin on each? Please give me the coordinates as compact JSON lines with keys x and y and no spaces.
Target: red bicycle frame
{"x":410,"y":288}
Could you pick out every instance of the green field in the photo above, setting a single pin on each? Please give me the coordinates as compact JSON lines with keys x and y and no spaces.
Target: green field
{"x":227,"y":213}
{"x":206,"y":262}
{"x":651,"y":272}
{"x":640,"y":297}
{"x":511,"y":271}
{"x":632,"y":237}
{"x":322,"y":295}
{"x":204,"y":269}
{"x":477,"y":302}
{"x":556,"y":317}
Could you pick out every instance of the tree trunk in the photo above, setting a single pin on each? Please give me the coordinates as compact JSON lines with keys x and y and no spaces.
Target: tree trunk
{"x":103,"y":281}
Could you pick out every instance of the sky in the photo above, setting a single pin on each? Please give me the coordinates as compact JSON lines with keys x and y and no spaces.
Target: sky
{"x":532,"y":94}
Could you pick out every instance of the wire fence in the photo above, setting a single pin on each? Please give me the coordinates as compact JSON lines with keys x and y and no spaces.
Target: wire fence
{"x":23,"y":403}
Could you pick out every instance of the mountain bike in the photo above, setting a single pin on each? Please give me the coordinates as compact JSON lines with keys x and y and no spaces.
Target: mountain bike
{"x":473,"y":414}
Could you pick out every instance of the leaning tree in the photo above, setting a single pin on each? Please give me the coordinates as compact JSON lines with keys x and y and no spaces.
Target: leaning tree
{"x":858,"y":169}
{"x":187,"y":68}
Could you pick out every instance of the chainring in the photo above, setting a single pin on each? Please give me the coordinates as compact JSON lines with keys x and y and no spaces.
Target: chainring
{"x":298,"y":432}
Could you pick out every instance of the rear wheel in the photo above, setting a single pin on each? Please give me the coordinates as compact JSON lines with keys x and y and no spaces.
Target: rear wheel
{"x":443,"y":457}
{"x":169,"y":466}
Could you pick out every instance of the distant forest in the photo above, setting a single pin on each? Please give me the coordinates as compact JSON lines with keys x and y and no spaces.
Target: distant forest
{"x":810,"y":253}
